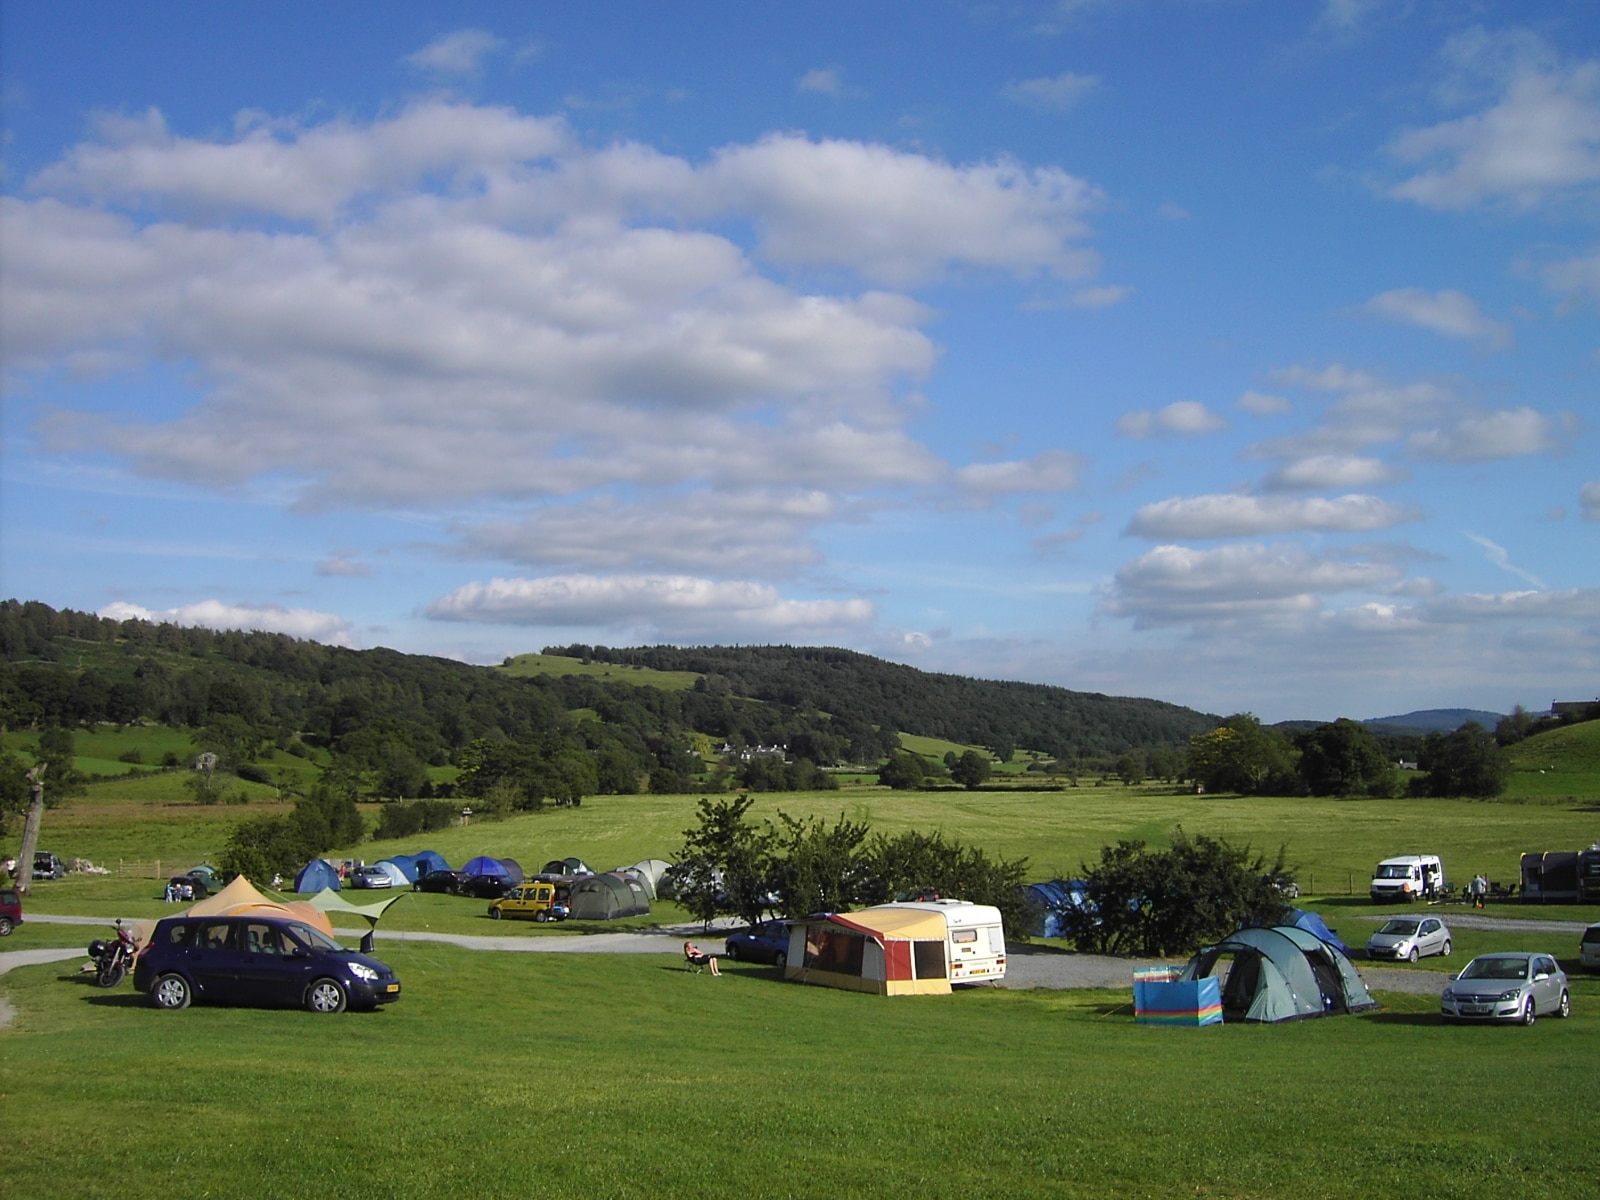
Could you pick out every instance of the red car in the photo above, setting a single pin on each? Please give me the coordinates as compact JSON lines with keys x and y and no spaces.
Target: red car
{"x":10,"y":911}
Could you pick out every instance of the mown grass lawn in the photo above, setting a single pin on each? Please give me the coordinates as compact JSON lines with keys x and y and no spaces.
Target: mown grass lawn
{"x":591,"y":1075}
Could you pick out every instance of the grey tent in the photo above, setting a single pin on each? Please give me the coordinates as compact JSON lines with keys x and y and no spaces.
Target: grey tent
{"x":607,"y":897}
{"x":648,"y":872}
{"x":1282,"y":974}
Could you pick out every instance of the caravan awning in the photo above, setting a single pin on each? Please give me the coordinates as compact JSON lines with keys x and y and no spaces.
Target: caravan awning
{"x":894,"y":924}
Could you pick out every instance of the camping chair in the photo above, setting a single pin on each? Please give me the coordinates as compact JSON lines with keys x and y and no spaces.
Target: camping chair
{"x":694,"y":963}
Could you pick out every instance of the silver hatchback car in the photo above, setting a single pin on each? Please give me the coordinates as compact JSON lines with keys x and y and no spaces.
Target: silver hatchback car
{"x":1516,"y":987}
{"x":1410,"y":938}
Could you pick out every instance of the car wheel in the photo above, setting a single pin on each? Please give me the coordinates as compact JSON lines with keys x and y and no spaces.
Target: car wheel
{"x":1413,"y":956}
{"x":542,"y":915}
{"x":171,"y":992}
{"x":1447,"y":949}
{"x":1528,"y":1014}
{"x":5,"y":926}
{"x":495,"y":913}
{"x":326,"y":996}
{"x":780,"y":959}
{"x":1564,"y":1009}
{"x":732,"y":951}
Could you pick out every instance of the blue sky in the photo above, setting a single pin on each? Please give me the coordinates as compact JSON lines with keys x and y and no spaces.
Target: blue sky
{"x":1241,"y":354}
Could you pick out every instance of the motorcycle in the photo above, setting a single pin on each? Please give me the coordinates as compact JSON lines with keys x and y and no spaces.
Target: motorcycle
{"x":113,"y":959}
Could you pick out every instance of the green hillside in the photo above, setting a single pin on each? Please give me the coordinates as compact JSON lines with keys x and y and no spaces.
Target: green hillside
{"x":525,"y":666}
{"x":1557,"y":764}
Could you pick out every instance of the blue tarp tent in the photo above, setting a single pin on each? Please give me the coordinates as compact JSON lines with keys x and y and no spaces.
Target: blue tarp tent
{"x":1314,"y":925}
{"x":483,"y":865}
{"x":316,"y":875}
{"x":429,"y":861}
{"x":407,"y":865}
{"x":1052,"y":901}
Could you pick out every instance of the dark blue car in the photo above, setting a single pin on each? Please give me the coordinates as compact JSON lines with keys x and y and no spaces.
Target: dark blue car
{"x":767,"y":942}
{"x":258,"y":960}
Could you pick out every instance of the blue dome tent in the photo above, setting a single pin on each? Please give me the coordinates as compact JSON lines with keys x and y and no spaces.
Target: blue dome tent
{"x":483,"y":865}
{"x":405,"y":864}
{"x":429,"y":861}
{"x":316,"y":875}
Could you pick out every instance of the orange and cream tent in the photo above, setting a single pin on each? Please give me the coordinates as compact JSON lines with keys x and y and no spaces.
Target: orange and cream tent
{"x":238,"y":899}
{"x":890,"y":951}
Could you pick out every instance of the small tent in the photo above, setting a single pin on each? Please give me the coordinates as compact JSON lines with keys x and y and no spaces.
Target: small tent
{"x":512,"y":869}
{"x":1282,"y":974}
{"x":316,"y":875}
{"x":567,"y":866}
{"x":1317,"y":927}
{"x":1051,"y":902}
{"x":607,"y":897}
{"x":483,"y":865}
{"x":406,"y":863}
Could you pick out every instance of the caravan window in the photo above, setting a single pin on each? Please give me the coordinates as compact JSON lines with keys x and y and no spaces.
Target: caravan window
{"x":927,"y":960}
{"x":963,"y":937}
{"x":997,"y":939}
{"x":829,"y":949}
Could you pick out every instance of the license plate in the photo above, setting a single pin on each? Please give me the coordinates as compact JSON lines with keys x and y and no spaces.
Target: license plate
{"x":1477,"y":1010}
{"x":393,"y":987}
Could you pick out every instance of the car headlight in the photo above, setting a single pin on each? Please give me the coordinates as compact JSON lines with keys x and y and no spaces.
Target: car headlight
{"x":1448,"y":995}
{"x":362,"y":971}
{"x":1513,"y":994}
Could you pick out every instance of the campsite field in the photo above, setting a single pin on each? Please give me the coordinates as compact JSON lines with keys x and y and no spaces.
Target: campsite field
{"x":563,"y":1075}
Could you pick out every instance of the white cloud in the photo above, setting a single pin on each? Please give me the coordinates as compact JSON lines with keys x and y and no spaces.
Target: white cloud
{"x":1589,"y":500}
{"x":458,"y":53}
{"x":1540,"y":136}
{"x":675,"y":606}
{"x":214,"y":614}
{"x":1575,"y":278}
{"x":1263,"y":404}
{"x":1168,"y":211}
{"x":1056,"y":93}
{"x":1052,"y":471}
{"x":1501,"y":558}
{"x":1100,"y":297}
{"x":1346,"y":16}
{"x":1186,"y":418}
{"x":1325,"y":471}
{"x":1177,"y":585}
{"x":344,"y":562}
{"x":1229,"y":515}
{"x":1511,"y":433}
{"x":732,"y":532}
{"x":824,"y":81}
{"x":1448,"y":312}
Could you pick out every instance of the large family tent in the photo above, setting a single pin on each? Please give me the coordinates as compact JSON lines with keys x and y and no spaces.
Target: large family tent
{"x":1051,"y":902}
{"x":1550,"y":876}
{"x":240,"y":899}
{"x":649,"y":873}
{"x":407,"y":865}
{"x":1282,"y":974}
{"x":316,"y":875}
{"x":429,"y":861}
{"x":896,"y":949}
{"x":607,"y":897}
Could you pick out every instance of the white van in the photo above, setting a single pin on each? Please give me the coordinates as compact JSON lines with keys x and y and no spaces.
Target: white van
{"x":1407,"y":877}
{"x":975,"y":939}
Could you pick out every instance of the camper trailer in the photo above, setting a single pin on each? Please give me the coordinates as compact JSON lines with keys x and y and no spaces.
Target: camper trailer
{"x":1407,"y":877}
{"x":1589,"y":875}
{"x":900,"y":949}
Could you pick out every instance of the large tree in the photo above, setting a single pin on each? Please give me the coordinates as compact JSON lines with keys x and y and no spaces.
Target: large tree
{"x":1241,"y":755}
{"x":1467,"y":762}
{"x":1344,"y":759}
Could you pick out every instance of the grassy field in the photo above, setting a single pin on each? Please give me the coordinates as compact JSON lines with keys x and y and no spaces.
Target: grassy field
{"x":1560,"y":764}
{"x":563,"y":1075}
{"x":555,"y":664}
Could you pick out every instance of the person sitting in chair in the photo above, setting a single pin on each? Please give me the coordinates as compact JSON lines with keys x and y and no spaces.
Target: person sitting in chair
{"x":699,"y":957}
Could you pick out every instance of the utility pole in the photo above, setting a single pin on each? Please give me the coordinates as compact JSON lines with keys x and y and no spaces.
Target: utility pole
{"x":30,"y":830}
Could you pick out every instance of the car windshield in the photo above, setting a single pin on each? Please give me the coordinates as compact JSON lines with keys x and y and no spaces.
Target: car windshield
{"x":1406,"y":927}
{"x":1591,"y":935}
{"x":314,"y":938}
{"x":1496,"y":968}
{"x":1394,"y":871}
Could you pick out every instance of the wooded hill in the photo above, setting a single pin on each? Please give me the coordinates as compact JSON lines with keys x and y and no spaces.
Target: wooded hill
{"x":390,"y":714}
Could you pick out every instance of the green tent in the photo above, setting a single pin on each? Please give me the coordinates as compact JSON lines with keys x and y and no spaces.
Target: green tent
{"x":1282,"y":974}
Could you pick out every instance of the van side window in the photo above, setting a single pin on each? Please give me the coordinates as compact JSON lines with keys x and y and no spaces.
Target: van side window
{"x":181,"y":935}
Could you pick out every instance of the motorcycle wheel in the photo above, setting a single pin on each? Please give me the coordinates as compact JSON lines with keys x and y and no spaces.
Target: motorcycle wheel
{"x":111,"y":975}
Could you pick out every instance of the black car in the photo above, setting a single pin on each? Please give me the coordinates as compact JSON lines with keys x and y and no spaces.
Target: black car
{"x":258,"y":960}
{"x":438,"y":881}
{"x":484,"y":887}
{"x":195,"y":883}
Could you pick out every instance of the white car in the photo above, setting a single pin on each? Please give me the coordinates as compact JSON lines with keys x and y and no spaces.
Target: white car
{"x":1511,"y":987}
{"x":1589,"y":949}
{"x":1410,"y":938}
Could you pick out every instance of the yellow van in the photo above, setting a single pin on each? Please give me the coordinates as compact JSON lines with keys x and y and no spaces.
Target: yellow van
{"x":540,"y":900}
